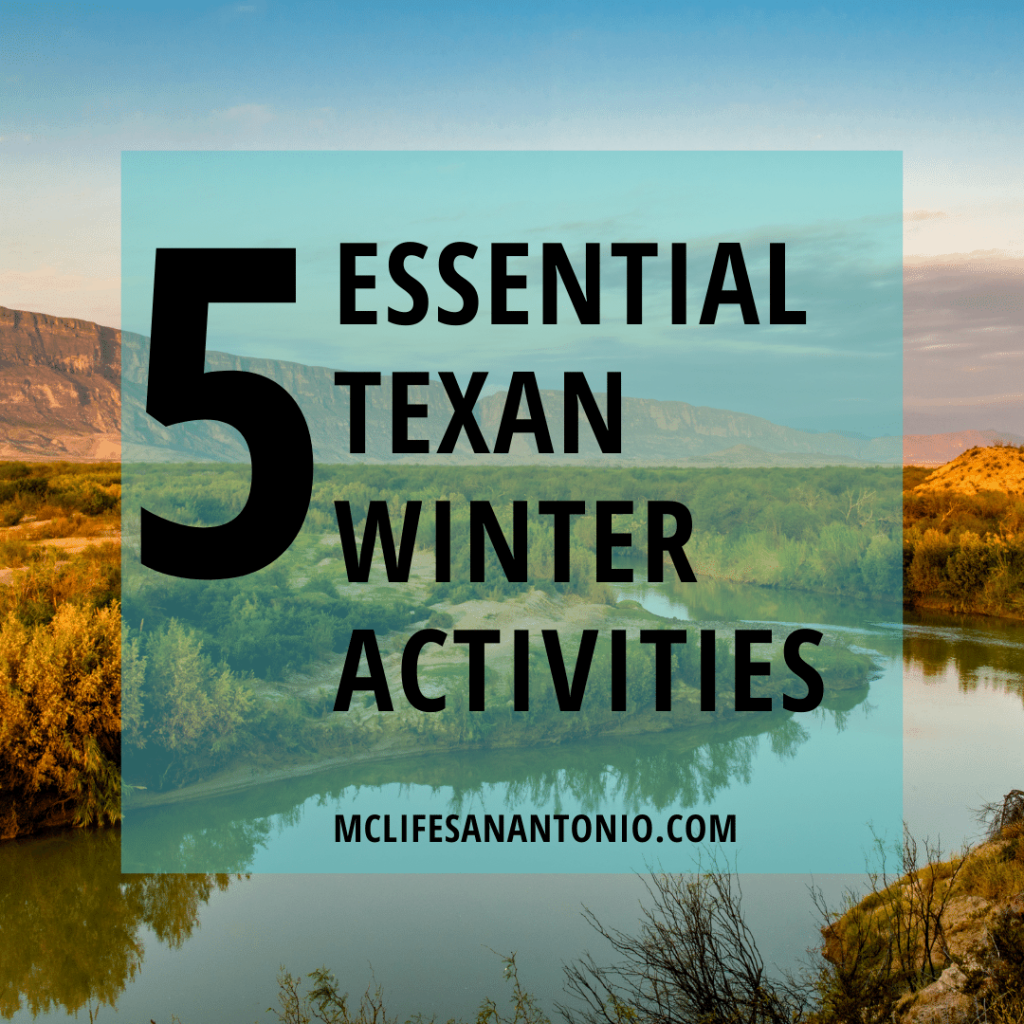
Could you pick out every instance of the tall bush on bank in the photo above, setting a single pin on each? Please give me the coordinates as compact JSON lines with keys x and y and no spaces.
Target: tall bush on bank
{"x":196,"y":711}
{"x":60,"y":697}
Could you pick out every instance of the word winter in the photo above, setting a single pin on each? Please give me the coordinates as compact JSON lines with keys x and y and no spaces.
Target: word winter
{"x":514,"y":557}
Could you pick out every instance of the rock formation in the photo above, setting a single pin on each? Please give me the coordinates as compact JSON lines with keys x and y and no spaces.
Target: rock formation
{"x":59,"y":387}
{"x":61,"y":397}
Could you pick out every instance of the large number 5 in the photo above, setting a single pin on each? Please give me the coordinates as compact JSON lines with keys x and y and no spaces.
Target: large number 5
{"x":267,"y":417}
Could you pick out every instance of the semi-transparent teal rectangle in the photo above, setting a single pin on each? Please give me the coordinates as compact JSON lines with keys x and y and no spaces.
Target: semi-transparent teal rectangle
{"x":781,"y":439}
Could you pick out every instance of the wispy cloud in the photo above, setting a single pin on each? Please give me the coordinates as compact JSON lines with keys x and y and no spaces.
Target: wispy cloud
{"x":962,"y":313}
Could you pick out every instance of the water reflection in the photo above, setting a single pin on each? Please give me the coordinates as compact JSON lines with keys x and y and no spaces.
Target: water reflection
{"x":643,"y":767}
{"x":646,"y":773}
{"x":70,"y":923}
{"x":980,"y":652}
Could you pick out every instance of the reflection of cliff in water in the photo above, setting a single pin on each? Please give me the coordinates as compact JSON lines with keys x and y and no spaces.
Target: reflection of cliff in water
{"x":677,"y":769}
{"x":70,"y":922}
{"x":985,"y":653}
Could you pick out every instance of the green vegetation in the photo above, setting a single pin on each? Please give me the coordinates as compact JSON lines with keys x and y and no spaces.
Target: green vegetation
{"x":205,"y":661}
{"x":829,"y":530}
{"x":963,"y":552}
{"x":60,"y":649}
{"x":185,"y":716}
{"x":65,"y":492}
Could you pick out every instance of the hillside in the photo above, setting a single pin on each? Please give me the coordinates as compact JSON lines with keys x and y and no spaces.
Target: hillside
{"x":996,"y":468}
{"x":942,"y":943}
{"x":60,"y":398}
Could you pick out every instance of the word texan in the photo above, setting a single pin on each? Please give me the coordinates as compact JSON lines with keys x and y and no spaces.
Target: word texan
{"x":578,"y":396}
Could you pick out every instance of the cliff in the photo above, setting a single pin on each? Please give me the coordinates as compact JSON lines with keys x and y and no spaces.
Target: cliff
{"x":654,"y":432}
{"x":62,"y":396}
{"x":59,"y":387}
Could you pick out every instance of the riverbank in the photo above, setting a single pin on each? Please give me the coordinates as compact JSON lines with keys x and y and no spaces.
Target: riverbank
{"x":940,"y":942}
{"x":443,"y":669}
{"x":955,"y":608}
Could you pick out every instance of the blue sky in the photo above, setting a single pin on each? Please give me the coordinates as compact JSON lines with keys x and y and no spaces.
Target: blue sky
{"x":839,"y":215}
{"x":943,"y":83}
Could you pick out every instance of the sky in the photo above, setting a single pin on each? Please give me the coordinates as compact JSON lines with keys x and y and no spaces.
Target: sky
{"x":942,"y":83}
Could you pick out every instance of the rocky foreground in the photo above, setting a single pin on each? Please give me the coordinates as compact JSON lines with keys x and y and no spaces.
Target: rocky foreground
{"x":942,"y":943}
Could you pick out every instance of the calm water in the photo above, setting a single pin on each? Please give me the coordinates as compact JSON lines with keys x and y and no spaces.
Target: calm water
{"x":75,"y":936}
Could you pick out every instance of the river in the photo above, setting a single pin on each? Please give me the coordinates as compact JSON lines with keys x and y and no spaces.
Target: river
{"x":79,"y":939}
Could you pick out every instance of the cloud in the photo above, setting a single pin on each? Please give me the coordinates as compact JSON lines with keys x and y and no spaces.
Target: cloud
{"x":963,"y":320}
{"x":912,"y":215}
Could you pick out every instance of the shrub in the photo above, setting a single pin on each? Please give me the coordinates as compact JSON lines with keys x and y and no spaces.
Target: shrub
{"x":60,"y":696}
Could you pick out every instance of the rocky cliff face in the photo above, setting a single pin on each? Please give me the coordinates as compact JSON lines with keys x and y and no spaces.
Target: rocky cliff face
{"x":654,"y":433}
{"x":943,"y":943}
{"x":61,"y":396}
{"x":59,"y":387}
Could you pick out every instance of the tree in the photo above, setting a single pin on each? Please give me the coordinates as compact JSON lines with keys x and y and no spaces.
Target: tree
{"x":694,"y":961}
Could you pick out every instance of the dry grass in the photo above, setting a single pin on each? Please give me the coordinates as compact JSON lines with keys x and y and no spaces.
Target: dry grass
{"x":25,"y":544}
{"x":996,"y":870}
{"x":16,"y":552}
{"x":999,"y":468}
{"x":76,"y":525}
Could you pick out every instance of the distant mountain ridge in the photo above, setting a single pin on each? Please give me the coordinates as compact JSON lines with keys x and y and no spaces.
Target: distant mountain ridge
{"x":654,"y":432}
{"x":938,"y":449}
{"x":60,"y":398}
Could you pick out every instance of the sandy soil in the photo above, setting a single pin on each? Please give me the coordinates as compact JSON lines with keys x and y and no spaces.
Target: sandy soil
{"x":66,"y":545}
